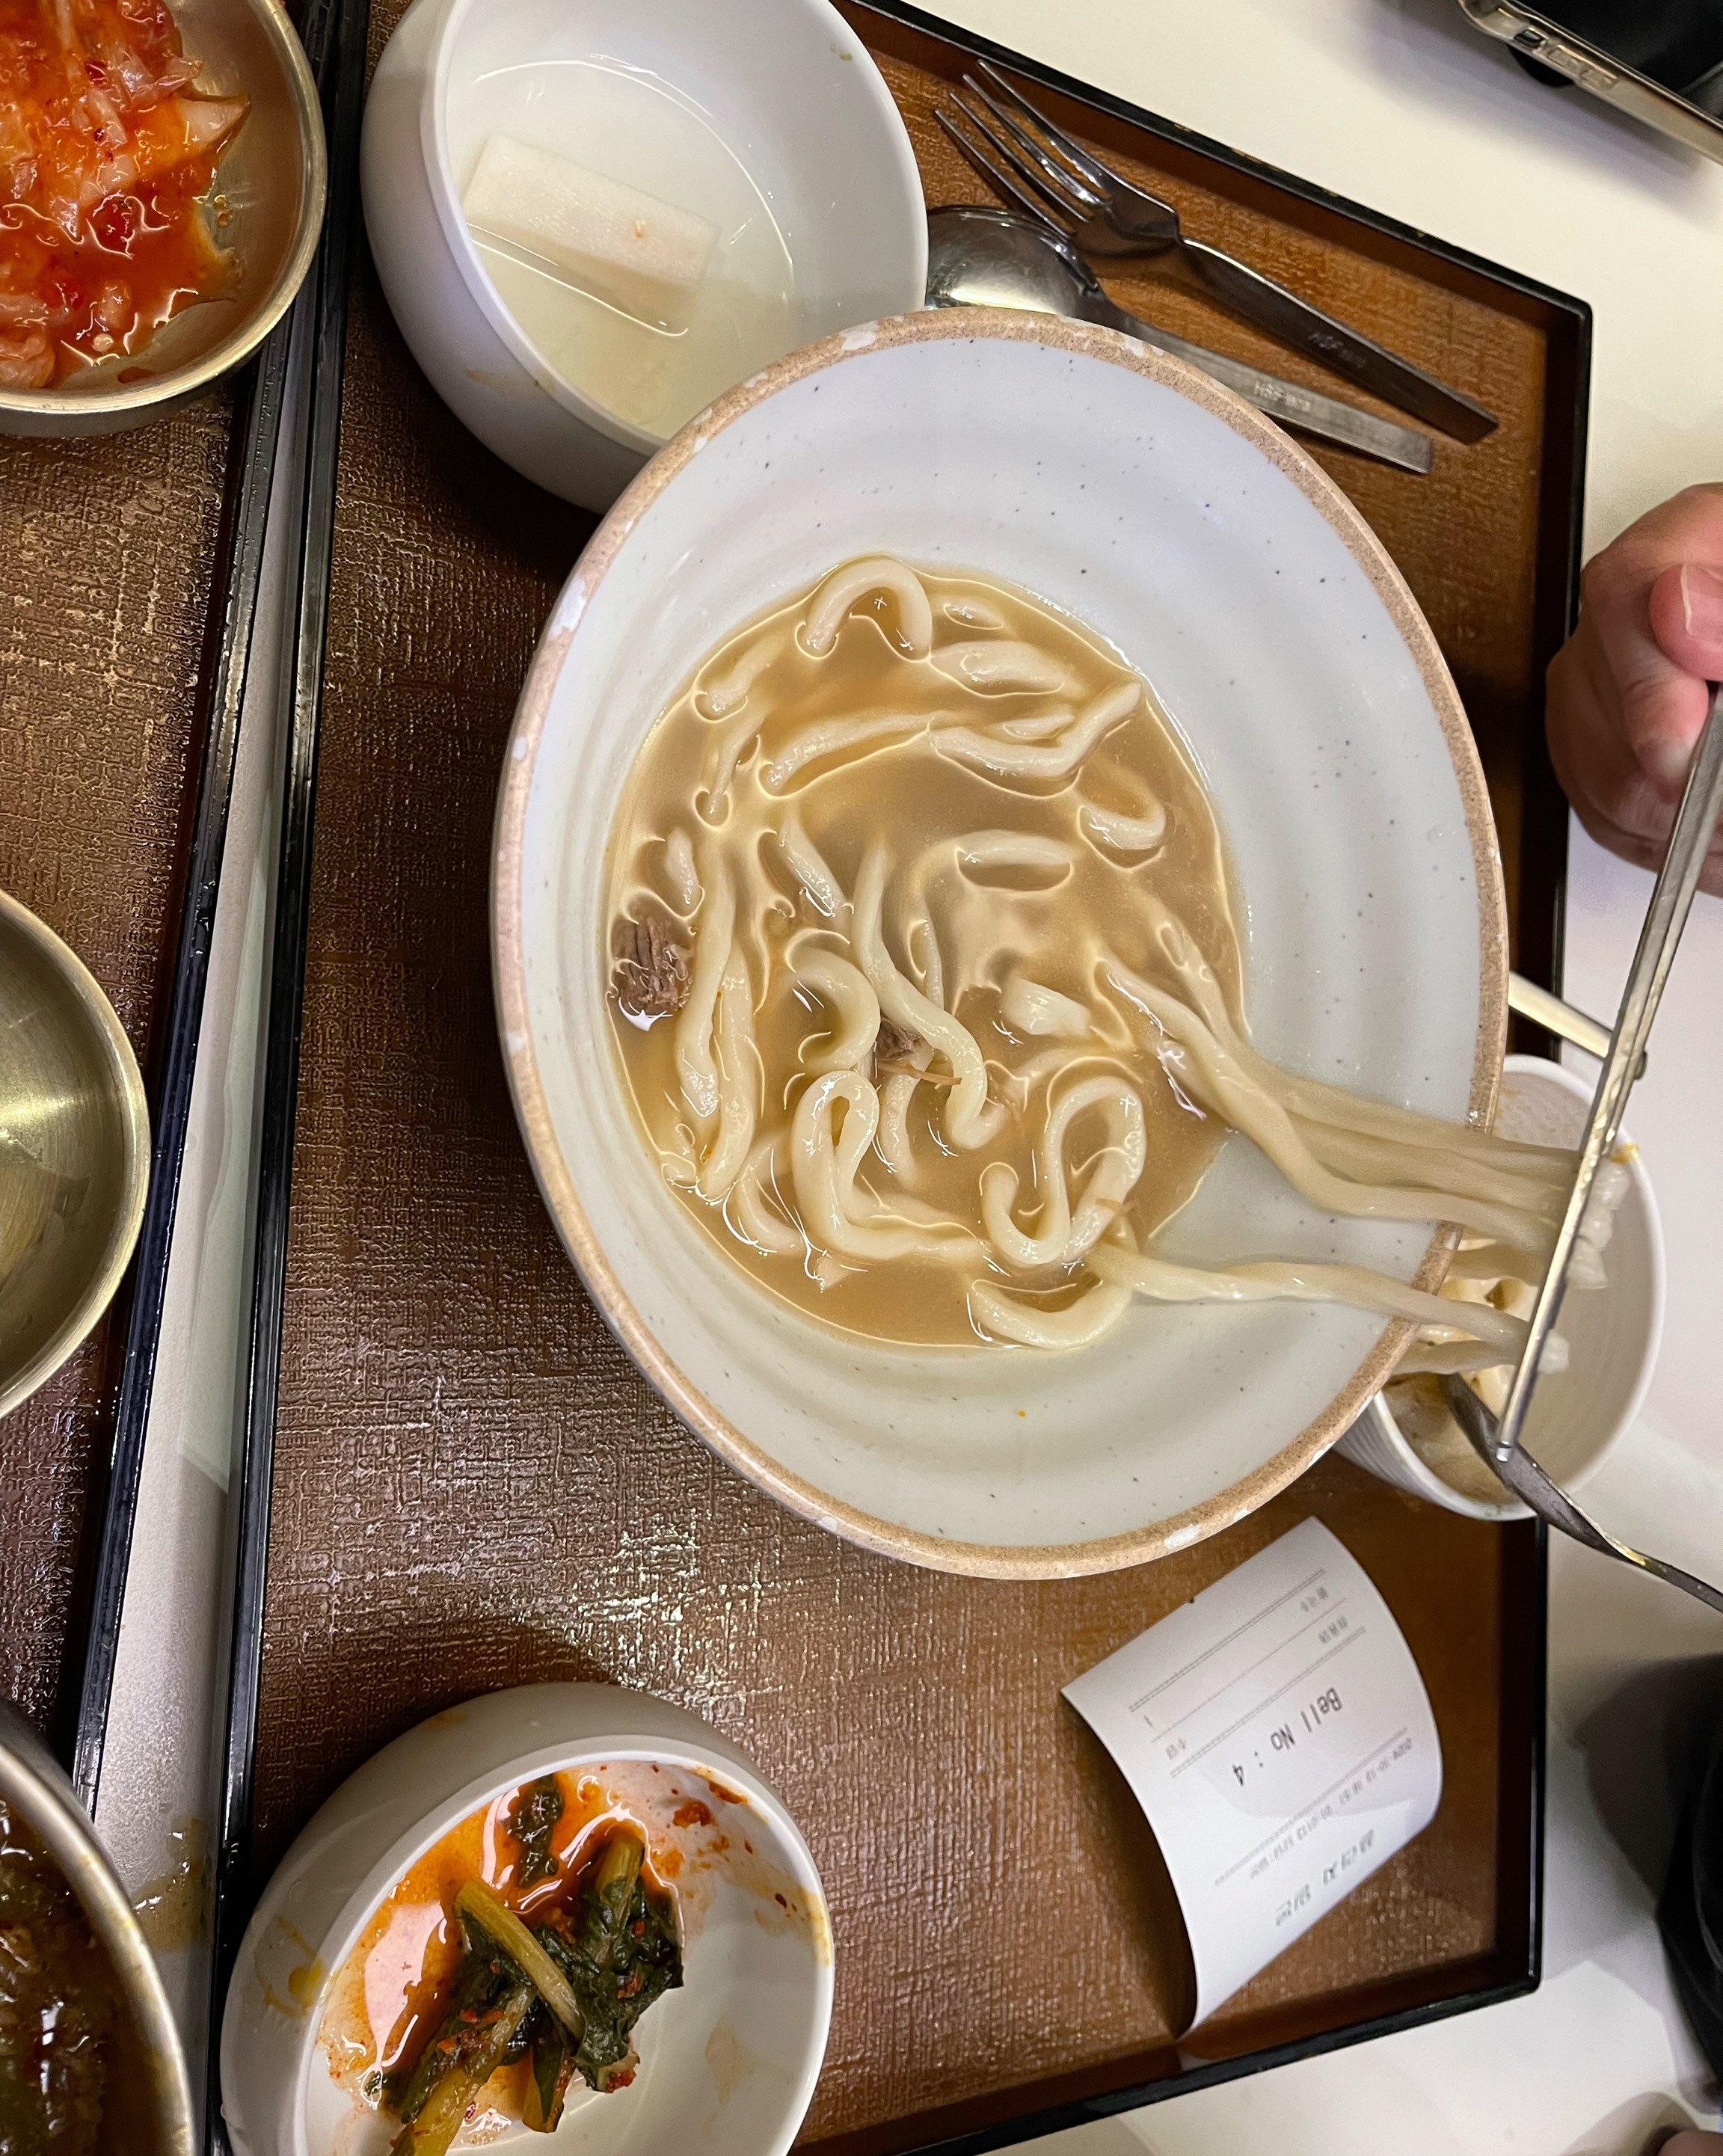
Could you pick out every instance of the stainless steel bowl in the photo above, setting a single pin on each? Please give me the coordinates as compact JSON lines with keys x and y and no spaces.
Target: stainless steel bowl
{"x":274,"y":178}
{"x":155,"y":2083}
{"x":75,"y":1152}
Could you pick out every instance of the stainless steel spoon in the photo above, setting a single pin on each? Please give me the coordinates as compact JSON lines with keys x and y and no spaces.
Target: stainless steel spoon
{"x":993,"y":258}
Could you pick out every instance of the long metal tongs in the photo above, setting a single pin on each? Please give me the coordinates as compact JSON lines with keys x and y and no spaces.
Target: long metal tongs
{"x":1498,"y":1443}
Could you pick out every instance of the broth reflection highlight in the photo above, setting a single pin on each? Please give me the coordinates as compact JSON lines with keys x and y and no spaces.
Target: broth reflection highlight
{"x":927,"y":983}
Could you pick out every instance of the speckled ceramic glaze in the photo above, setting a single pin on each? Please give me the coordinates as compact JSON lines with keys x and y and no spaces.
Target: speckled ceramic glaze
{"x":1154,"y":505}
{"x":728,"y":2063}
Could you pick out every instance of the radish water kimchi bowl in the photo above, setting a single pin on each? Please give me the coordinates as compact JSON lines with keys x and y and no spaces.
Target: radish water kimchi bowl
{"x":162,"y":186}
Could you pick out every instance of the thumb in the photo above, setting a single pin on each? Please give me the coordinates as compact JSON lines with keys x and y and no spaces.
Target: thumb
{"x":1687,"y":618}
{"x":1686,"y":613}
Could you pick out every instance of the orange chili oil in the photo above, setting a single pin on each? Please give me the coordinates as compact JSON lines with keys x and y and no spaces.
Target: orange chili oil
{"x":106,"y":159}
{"x":394,"y":1984}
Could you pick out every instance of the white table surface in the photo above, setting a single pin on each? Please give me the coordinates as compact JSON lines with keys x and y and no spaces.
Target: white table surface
{"x":1398,"y":103}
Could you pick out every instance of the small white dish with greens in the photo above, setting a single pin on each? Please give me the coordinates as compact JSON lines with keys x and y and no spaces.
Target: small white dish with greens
{"x":566,"y":1910}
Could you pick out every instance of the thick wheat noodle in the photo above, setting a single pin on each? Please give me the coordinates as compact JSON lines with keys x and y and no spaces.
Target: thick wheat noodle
{"x":1079,"y":1324}
{"x":717,"y":700}
{"x":994,"y":666}
{"x":1027,"y":1075}
{"x":1038,"y":726}
{"x":970,"y":1120}
{"x":1296,"y":1281}
{"x":684,"y":877}
{"x":831,"y":602}
{"x":823,"y":1169}
{"x":1340,"y":1182}
{"x":1543,"y":1173}
{"x":932,"y":966}
{"x":1309,"y":1099}
{"x":679,"y":1161}
{"x":732,"y":747}
{"x":1450,"y":1358}
{"x":694,"y":1065}
{"x":1122,"y":835}
{"x":864,"y":1203}
{"x":975,"y":855}
{"x":892,"y":1142}
{"x":1365,"y":1158}
{"x":973,"y":613}
{"x":972,"y":854}
{"x":1197,"y":979}
{"x":829,"y":736}
{"x":760,"y":901}
{"x":1065,"y":1237}
{"x":810,"y":867}
{"x":738,"y":1080}
{"x":1247,"y":1104}
{"x":966,"y":918}
{"x":1312,"y":1100}
{"x":1109,"y":824}
{"x":844,"y":988}
{"x":1031,"y":1007}
{"x":755,"y":1216}
{"x":984,"y":850}
{"x":1056,"y":759}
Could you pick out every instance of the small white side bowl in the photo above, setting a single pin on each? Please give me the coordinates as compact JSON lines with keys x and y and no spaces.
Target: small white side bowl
{"x":788,"y":86}
{"x":728,"y":2062}
{"x":1579,"y":1416}
{"x":273,"y":176}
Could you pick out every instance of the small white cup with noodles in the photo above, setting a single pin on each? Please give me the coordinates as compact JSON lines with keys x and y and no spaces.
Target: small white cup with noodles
{"x":1577,"y":1414}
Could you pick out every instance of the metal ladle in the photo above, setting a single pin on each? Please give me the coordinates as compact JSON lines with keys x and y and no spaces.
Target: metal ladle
{"x":995,"y":258}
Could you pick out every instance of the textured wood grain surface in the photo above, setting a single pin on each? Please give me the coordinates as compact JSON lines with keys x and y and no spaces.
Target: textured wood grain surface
{"x":474,"y":1487}
{"x":107,"y":554}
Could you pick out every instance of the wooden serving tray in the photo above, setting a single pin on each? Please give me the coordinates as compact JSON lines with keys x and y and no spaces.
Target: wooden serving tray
{"x":474,"y":1487}
{"x":108,"y":552}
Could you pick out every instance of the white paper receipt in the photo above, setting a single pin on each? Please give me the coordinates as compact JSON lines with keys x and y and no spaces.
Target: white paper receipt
{"x":1279,"y":1736}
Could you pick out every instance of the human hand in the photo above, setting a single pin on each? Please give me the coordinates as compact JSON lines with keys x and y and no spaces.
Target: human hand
{"x":1627,"y":691}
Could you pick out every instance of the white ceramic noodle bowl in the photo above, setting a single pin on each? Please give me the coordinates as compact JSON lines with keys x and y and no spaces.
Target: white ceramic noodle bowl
{"x":786,"y":84}
{"x":728,"y":2063}
{"x":1154,"y":505}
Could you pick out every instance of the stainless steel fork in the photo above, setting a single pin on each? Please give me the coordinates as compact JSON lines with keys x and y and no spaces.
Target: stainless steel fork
{"x":1054,"y":178}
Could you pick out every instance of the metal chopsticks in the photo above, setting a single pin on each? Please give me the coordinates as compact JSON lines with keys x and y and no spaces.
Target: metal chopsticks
{"x":1499,"y":1443}
{"x":1561,"y":1018}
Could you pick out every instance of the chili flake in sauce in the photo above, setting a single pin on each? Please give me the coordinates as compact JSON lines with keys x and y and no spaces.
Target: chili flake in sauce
{"x":105,"y":153}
